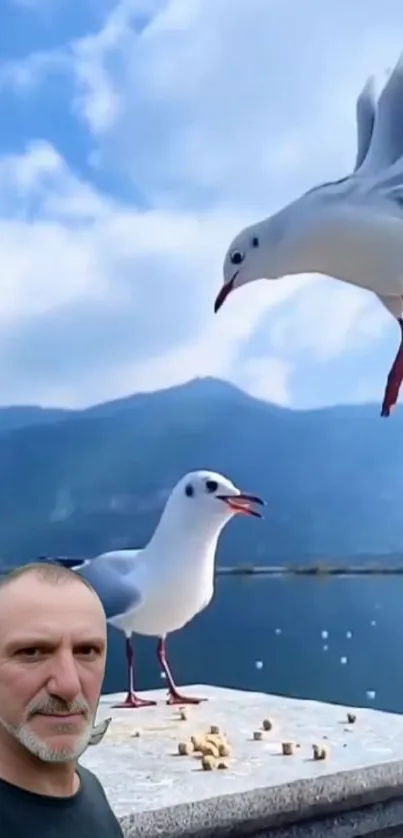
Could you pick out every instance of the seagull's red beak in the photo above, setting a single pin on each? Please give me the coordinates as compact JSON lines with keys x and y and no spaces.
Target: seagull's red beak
{"x":243,"y":504}
{"x":223,"y":294}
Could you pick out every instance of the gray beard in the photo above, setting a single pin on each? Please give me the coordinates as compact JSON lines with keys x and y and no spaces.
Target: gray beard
{"x":43,"y":751}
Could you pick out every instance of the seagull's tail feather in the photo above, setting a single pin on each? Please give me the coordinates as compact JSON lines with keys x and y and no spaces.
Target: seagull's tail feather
{"x":99,"y":730}
{"x":386,"y":141}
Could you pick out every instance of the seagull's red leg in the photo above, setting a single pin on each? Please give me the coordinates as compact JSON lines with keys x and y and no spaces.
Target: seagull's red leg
{"x":132,"y":700}
{"x":175,"y":697}
{"x":395,"y":378}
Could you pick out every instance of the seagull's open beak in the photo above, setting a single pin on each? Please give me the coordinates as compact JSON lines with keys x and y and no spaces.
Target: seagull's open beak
{"x":225,"y":290}
{"x":243,"y":504}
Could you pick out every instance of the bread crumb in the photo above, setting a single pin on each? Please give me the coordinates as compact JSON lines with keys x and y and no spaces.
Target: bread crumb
{"x":320,"y":752}
{"x":208,"y":763}
{"x":185,"y":748}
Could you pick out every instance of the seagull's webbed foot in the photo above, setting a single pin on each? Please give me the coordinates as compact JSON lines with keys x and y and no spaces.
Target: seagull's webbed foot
{"x":395,"y":379}
{"x":132,"y":700}
{"x":177,"y":698}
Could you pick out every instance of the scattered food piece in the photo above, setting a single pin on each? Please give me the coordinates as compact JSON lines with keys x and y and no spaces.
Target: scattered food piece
{"x":208,"y":763}
{"x":320,"y":752}
{"x":257,"y":735}
{"x":288,"y":748}
{"x":267,"y":724}
{"x":210,"y":750}
{"x":351,"y":718}
{"x":183,"y":714}
{"x":198,"y":741}
{"x":135,"y":734}
{"x":215,"y":730}
{"x":185,"y":748}
{"x":214,"y":739}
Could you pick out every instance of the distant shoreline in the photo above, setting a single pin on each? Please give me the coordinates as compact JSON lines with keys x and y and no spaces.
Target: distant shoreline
{"x":310,"y":570}
{"x":317,"y":569}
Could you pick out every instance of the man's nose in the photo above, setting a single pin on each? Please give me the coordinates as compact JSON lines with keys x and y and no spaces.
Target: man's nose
{"x":64,"y":680}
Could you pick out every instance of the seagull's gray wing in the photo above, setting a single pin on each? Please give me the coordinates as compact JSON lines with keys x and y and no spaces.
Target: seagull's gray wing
{"x":366,"y":113}
{"x":114,"y":579}
{"x":386,"y":146}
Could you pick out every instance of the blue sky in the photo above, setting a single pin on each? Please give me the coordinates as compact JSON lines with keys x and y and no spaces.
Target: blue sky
{"x":137,"y":137}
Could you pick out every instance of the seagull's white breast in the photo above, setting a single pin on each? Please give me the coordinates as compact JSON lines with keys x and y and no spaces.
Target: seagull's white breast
{"x":174,"y":592}
{"x":361,"y":246}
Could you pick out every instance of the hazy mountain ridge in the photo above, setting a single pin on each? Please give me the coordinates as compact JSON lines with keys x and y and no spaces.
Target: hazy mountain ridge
{"x":78,"y":482}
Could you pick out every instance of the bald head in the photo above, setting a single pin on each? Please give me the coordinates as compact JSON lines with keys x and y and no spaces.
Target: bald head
{"x":52,"y":659}
{"x":38,"y":588}
{"x":52,"y":573}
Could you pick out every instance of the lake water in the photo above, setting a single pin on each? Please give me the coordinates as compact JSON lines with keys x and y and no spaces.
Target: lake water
{"x":334,"y":639}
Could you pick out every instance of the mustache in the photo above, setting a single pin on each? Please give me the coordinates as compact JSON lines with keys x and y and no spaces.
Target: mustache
{"x":52,"y":706}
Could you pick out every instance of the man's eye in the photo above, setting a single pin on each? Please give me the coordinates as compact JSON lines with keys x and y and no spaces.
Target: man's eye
{"x":88,"y":651}
{"x":29,"y":652}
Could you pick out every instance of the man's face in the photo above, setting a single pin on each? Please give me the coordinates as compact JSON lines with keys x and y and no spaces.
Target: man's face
{"x":52,"y":662}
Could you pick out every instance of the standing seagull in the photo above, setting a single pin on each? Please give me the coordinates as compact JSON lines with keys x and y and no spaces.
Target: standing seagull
{"x":159,"y":589}
{"x":351,"y":229}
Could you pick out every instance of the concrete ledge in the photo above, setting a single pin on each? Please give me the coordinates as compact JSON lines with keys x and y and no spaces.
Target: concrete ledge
{"x":295,"y":812}
{"x":288,"y":812}
{"x":357,"y":791}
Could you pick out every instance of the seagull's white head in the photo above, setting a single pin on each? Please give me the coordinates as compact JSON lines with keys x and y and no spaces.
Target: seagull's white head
{"x":255,"y":253}
{"x":206,"y":494}
{"x":198,"y":508}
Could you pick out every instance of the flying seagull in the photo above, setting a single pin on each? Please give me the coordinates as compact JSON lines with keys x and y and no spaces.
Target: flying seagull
{"x":351,"y":229}
{"x":159,"y":589}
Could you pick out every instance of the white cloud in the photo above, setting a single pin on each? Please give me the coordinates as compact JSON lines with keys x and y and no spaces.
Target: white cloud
{"x":102,"y":298}
{"x":230,"y":102}
{"x":214,"y":113}
{"x":266,"y":378}
{"x":332,"y":318}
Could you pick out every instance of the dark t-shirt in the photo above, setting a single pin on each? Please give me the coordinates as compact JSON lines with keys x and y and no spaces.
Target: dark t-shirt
{"x":87,"y":814}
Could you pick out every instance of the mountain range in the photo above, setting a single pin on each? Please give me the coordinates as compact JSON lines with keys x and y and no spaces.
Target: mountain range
{"x":78,"y":482}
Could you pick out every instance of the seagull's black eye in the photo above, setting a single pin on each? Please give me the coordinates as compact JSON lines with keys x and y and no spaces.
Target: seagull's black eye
{"x":211,"y":486}
{"x":189,"y":491}
{"x":237,"y":257}
{"x":255,"y":241}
